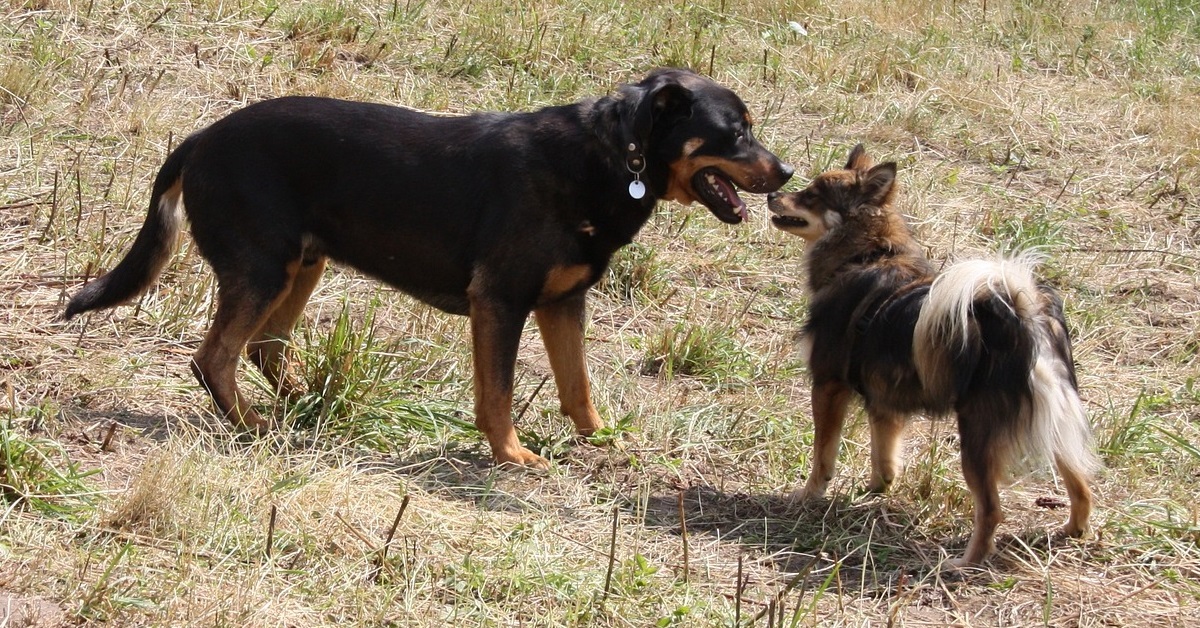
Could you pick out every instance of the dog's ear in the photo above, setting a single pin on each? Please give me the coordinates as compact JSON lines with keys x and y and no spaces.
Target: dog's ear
{"x":663,"y":99}
{"x":859,"y":159}
{"x":879,"y":184}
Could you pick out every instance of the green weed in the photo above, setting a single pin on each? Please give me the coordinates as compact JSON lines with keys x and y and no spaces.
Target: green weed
{"x":38,"y":473}
{"x":635,"y":275}
{"x":362,"y":387}
{"x":709,"y":352}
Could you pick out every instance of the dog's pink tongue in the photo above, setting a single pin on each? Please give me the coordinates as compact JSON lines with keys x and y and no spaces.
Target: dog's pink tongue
{"x":739,"y":206}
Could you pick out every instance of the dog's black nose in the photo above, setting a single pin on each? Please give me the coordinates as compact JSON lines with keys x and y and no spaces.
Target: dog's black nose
{"x":787,"y":171}
{"x":774,"y":195}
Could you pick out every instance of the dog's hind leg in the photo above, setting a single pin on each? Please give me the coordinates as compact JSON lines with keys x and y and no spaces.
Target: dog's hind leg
{"x":268,"y":349}
{"x":829,"y":401}
{"x":1081,"y":498}
{"x":980,"y":465}
{"x":244,"y":303}
{"x":887,"y":433}
{"x":561,"y":326}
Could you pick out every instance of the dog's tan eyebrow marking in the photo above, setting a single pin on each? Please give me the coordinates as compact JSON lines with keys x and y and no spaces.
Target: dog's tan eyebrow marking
{"x":748,"y":118}
{"x":692,"y":146}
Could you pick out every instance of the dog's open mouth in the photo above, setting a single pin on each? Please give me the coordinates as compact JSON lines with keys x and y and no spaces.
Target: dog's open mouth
{"x":718,"y":193}
{"x":789,"y":221}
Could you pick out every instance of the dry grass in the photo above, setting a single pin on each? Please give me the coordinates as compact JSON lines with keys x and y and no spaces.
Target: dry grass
{"x":1068,"y":125}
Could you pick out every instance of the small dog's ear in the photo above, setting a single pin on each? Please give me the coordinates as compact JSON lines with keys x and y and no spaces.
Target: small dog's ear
{"x":879,"y":184}
{"x":859,"y":159}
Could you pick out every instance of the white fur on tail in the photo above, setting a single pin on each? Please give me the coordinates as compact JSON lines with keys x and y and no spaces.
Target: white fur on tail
{"x":170,"y":207}
{"x":946,"y":315}
{"x":1059,"y":425}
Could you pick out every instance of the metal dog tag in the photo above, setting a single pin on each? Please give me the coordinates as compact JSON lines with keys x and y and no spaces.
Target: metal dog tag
{"x":637,"y":189}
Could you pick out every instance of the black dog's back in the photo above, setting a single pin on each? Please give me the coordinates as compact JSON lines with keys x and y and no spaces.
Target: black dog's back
{"x":411,"y":198}
{"x":881,"y":365}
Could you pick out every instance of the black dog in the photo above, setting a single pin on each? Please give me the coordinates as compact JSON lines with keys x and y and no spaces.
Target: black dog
{"x":982,"y":339}
{"x":493,"y":216}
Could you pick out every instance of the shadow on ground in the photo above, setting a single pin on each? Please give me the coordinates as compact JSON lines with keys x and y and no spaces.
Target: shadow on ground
{"x":874,"y":544}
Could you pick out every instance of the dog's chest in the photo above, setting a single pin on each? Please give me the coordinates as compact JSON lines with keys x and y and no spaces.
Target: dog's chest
{"x":565,"y":280}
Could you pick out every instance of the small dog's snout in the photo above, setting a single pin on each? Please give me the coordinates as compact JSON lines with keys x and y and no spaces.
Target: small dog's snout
{"x":774,"y":195}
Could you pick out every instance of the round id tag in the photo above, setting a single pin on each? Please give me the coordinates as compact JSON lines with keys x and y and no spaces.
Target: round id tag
{"x":637,"y":189}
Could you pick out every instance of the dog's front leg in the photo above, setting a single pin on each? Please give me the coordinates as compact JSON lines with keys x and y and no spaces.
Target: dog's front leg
{"x":887,"y":434}
{"x":495,"y":336}
{"x":561,"y":326}
{"x":829,"y":401}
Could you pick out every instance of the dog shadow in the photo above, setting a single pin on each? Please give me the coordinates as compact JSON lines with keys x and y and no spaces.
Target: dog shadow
{"x":862,"y":536}
{"x":878,"y":545}
{"x":874,"y":544}
{"x":873,"y":547}
{"x":112,"y":428}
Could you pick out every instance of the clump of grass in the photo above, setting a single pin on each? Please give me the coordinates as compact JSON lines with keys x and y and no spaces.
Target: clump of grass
{"x":38,"y":473}
{"x":362,"y":386}
{"x":635,"y":275}
{"x":1041,"y":228}
{"x":19,"y":82}
{"x":711,"y":353}
{"x":321,"y":22}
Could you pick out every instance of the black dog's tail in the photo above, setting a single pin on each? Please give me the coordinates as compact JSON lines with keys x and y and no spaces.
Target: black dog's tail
{"x":990,"y":336}
{"x":152,"y":248}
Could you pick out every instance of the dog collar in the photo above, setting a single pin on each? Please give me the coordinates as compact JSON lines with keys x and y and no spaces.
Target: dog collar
{"x":635,"y":162}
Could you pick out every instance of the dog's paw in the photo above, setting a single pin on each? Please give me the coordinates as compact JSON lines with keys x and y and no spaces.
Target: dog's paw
{"x":253,"y":423}
{"x":972,"y":560}
{"x":1073,"y":530}
{"x":957,"y":565}
{"x":877,"y":487}
{"x":806,"y":495}
{"x":522,"y":457}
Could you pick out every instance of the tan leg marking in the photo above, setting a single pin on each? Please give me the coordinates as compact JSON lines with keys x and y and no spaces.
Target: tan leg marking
{"x":563,"y":279}
{"x":240,"y":314}
{"x":268,"y":350}
{"x":980,"y":473}
{"x":1081,"y":499}
{"x":494,"y":342}
{"x":561,"y":326}
{"x":829,"y":402}
{"x":887,"y":434}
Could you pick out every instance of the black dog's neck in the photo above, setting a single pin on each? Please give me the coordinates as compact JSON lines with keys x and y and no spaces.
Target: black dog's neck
{"x":628,"y":155}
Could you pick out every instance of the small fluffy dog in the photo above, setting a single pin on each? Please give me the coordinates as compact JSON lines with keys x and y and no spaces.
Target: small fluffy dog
{"x":982,"y":339}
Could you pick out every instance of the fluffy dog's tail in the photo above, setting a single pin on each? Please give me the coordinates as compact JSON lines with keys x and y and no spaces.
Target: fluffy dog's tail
{"x":152,"y":248}
{"x":996,"y":344}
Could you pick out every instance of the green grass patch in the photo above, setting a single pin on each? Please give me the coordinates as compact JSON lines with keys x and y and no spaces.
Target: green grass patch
{"x":38,"y":473}
{"x":711,"y":353}
{"x":363,"y":386}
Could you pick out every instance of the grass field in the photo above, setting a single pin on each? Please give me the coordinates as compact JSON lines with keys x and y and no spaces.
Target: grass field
{"x":1065,"y":125}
